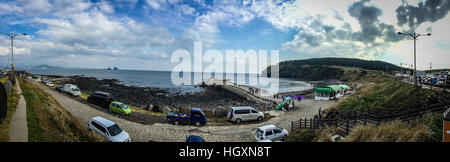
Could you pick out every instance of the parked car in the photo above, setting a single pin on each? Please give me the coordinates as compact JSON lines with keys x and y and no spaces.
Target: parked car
{"x":119,"y":108}
{"x":60,"y":88}
{"x":271,"y":132}
{"x":100,"y":98}
{"x":108,"y":130}
{"x":72,"y":89}
{"x":196,"y":116}
{"x":50,"y":84}
{"x":244,"y":113}
{"x":193,"y":138}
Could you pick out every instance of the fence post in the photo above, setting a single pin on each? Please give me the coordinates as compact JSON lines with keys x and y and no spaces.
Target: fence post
{"x":292,"y":126}
{"x":305,"y":122}
{"x":347,"y":127}
{"x":300,"y":122}
{"x":310,"y":123}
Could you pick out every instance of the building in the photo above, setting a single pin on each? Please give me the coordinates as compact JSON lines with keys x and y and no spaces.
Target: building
{"x":331,"y":92}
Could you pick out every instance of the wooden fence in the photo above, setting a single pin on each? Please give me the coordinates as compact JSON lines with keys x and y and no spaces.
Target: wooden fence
{"x":345,"y":122}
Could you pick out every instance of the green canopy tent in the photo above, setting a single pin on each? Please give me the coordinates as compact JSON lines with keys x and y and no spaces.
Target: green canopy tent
{"x":323,"y":93}
{"x":323,"y":90}
{"x":346,"y":88}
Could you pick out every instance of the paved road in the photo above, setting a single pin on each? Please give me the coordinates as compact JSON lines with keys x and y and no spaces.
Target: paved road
{"x":161,"y":132}
{"x":18,"y":126}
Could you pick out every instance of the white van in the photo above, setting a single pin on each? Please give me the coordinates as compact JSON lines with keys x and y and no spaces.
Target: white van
{"x":108,"y":129}
{"x":244,"y":113}
{"x":72,"y":89}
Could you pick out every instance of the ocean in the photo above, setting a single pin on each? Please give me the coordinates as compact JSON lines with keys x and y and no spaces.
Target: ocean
{"x":162,"y":79}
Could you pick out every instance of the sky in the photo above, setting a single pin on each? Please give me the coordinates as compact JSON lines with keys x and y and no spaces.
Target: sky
{"x":143,"y":34}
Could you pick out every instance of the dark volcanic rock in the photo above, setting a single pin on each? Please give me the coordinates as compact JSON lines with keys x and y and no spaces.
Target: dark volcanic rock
{"x":160,"y":99}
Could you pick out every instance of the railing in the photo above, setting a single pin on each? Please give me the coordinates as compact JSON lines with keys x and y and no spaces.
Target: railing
{"x":349,"y":120}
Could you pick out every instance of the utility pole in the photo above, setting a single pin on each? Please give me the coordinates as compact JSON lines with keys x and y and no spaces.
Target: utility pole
{"x":401,"y":68}
{"x":11,"y":37}
{"x":414,"y":36}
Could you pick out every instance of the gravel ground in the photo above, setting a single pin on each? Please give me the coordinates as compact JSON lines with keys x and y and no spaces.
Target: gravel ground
{"x":161,"y":132}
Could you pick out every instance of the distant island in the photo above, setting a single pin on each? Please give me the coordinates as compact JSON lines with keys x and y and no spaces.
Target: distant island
{"x":115,"y":68}
{"x":45,"y":66}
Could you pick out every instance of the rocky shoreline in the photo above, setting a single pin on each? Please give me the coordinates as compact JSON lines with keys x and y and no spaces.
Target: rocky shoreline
{"x":213,"y":99}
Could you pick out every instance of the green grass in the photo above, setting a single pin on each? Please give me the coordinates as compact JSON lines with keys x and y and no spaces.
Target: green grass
{"x":48,"y":121}
{"x":13,"y":100}
{"x":386,"y":94}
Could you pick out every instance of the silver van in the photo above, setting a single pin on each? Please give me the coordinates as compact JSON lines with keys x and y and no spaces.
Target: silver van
{"x":244,"y":113}
{"x":108,"y":130}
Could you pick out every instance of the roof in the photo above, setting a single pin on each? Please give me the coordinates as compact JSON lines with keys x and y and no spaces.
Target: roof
{"x":241,"y":107}
{"x":344,"y":86}
{"x":323,"y":90}
{"x":196,"y":109}
{"x":193,"y":138}
{"x":265,"y":127}
{"x":104,"y":121}
{"x":334,"y":87}
{"x":100,"y":92}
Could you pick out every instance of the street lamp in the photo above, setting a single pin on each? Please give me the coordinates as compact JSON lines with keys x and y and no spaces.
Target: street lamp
{"x":414,"y":36}
{"x":12,"y":36}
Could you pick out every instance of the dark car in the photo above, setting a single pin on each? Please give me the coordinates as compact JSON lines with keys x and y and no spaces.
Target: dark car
{"x":60,"y":88}
{"x":193,"y":138}
{"x":100,"y":98}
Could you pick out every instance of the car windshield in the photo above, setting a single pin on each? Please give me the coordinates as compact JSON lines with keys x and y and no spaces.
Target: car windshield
{"x":123,"y":106}
{"x":259,"y":132}
{"x":75,"y":89}
{"x":114,"y":130}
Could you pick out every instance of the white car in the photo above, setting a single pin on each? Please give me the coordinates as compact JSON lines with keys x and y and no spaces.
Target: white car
{"x":244,"y":113}
{"x":50,"y":84}
{"x":108,"y":130}
{"x":271,"y":132}
{"x":72,"y":89}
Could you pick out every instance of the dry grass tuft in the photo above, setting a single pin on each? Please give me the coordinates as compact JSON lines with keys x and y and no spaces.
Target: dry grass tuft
{"x":395,"y":131}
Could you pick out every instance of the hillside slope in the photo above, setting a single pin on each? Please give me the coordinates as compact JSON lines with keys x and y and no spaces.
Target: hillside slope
{"x":331,"y":68}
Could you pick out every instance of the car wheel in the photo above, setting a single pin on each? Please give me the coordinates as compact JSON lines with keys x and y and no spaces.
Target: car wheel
{"x":260,"y":118}
{"x":175,"y":122}
{"x":238,"y":121}
{"x":284,"y":138}
{"x":197,"y":124}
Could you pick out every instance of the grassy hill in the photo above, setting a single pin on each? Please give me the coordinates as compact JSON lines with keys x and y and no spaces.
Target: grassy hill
{"x":385,"y":93}
{"x":331,"y":68}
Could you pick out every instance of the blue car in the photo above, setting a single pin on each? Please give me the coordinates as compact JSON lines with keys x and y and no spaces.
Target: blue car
{"x":196,"y":117}
{"x":193,"y":138}
{"x":60,"y":88}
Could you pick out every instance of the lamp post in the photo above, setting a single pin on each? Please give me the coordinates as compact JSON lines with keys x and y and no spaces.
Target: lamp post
{"x":11,"y":37}
{"x":414,"y":36}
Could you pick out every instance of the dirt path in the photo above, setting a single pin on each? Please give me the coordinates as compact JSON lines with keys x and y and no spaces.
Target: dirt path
{"x":19,"y":127}
{"x":162,"y":132}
